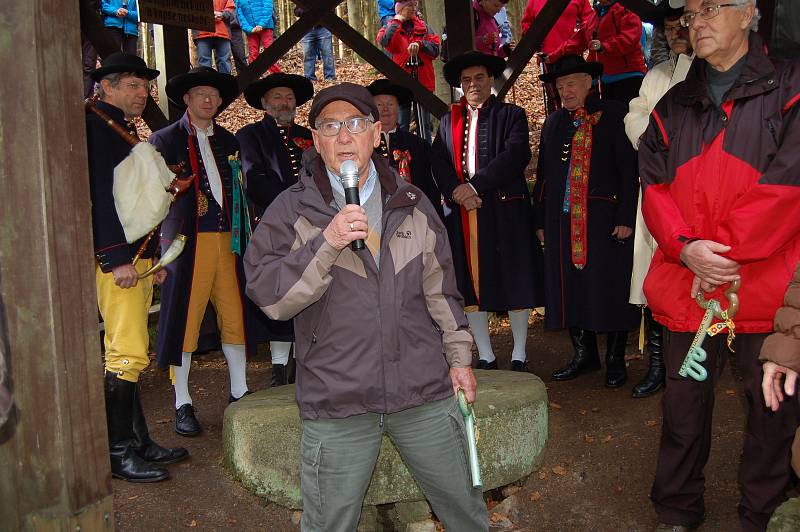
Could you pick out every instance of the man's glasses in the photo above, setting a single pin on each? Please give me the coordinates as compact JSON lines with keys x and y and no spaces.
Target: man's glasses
{"x":134,"y":86}
{"x":355,"y":125}
{"x":706,"y":12}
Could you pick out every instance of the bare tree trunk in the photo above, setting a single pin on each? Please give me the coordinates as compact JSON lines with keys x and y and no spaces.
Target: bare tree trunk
{"x":356,"y":21}
{"x":435,"y":19}
{"x":339,"y":43}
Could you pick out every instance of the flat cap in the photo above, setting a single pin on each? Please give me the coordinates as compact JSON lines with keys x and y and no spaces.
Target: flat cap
{"x":356,"y":95}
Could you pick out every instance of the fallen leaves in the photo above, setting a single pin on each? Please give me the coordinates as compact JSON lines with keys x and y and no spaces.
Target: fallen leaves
{"x":555,"y":406}
{"x":559,"y":470}
{"x":193,"y":523}
{"x":535,"y":496}
{"x":588,"y":439}
{"x":651,"y":423}
{"x":730,"y":392}
{"x":608,"y":438}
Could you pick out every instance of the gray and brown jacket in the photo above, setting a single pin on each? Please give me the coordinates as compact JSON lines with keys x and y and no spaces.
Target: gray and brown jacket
{"x":368,"y":339}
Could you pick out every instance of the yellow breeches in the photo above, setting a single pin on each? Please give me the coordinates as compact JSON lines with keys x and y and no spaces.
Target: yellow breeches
{"x":124,"y":312}
{"x":214,"y":279}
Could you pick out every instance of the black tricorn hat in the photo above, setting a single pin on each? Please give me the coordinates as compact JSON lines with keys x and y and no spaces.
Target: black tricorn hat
{"x":202,"y":76}
{"x":384,"y":86}
{"x":453,"y":68}
{"x":572,"y":64}
{"x":303,"y":89}
{"x":122,"y":62}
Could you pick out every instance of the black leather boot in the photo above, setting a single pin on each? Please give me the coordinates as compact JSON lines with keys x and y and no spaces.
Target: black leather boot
{"x":186,"y":423}
{"x":586,"y":356}
{"x":146,"y":448}
{"x":125,"y":462}
{"x":279,"y":375}
{"x":616,"y":372}
{"x":657,"y":372}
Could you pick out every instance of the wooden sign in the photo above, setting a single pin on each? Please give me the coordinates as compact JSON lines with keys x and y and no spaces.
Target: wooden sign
{"x":192,"y":14}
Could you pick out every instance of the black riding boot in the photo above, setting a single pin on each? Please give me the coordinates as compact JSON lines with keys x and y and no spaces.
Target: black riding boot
{"x":586,"y":356}
{"x":279,"y":375}
{"x":125,"y":462}
{"x":146,"y":448}
{"x":656,"y":373}
{"x":616,"y":372}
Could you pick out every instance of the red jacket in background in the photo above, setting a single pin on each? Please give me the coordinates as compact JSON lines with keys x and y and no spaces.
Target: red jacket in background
{"x":395,"y":38}
{"x":620,"y":33}
{"x":220,"y":28}
{"x":575,"y":16}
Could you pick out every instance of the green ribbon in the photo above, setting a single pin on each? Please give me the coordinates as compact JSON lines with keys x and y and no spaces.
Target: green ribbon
{"x":240,"y":224}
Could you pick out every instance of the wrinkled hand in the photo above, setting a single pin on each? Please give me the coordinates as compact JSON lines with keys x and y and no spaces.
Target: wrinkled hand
{"x":463,"y":192}
{"x":125,"y":276}
{"x":698,"y":285}
{"x":622,"y":232}
{"x":350,"y":224}
{"x":771,"y":384}
{"x":413,"y":48}
{"x":121,"y":12}
{"x":257,"y":29}
{"x":472,"y":203}
{"x":595,"y":45}
{"x":464,"y":378}
{"x":540,"y":235}
{"x":159,"y":277}
{"x":704,"y":259}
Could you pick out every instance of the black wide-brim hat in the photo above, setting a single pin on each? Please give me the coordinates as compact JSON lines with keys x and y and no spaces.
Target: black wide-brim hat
{"x":572,"y":64}
{"x":122,"y":62}
{"x":202,"y":76}
{"x":303,"y":88}
{"x":384,"y":86}
{"x":453,"y":68}
{"x":657,"y":13}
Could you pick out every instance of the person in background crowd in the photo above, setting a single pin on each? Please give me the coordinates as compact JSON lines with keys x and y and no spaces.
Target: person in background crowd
{"x":214,"y":218}
{"x":381,"y":364}
{"x":121,"y":17}
{"x":123,"y":299}
{"x":257,"y":18}
{"x":481,"y":151}
{"x":407,"y":153}
{"x":317,"y":43}
{"x":613,"y":38}
{"x":488,"y":35}
{"x":655,"y":84}
{"x":217,"y":41}
{"x":237,"y":41}
{"x":272,"y":150}
{"x":385,"y":11}
{"x":720,"y":173}
{"x":407,"y":36}
{"x":585,"y":199}
{"x":89,"y":56}
{"x":506,"y":37}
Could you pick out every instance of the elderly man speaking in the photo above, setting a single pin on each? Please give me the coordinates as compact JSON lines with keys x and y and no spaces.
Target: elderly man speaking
{"x":721,"y":178}
{"x":381,"y":336}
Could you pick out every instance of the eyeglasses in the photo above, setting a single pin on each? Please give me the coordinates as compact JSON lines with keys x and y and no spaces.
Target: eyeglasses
{"x":132,"y":85}
{"x":706,"y":12}
{"x":355,"y":125}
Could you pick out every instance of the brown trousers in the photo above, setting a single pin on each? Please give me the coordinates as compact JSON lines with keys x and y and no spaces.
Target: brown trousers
{"x":764,"y":471}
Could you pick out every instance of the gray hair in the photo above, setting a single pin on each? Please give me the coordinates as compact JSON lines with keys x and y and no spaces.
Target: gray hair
{"x":756,"y":15}
{"x":114,"y":79}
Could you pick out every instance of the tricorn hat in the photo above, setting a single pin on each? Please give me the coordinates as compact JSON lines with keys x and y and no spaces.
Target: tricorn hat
{"x":572,"y":64}
{"x":453,"y":68}
{"x":122,"y":62}
{"x":384,"y":86}
{"x":202,"y":76}
{"x":303,"y":89}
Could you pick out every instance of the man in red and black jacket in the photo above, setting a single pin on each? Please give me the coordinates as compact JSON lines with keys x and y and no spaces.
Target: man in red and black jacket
{"x":720,"y":174}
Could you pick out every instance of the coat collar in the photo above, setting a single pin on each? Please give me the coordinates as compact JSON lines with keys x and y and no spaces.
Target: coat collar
{"x":757,"y":77}
{"x":187,"y":127}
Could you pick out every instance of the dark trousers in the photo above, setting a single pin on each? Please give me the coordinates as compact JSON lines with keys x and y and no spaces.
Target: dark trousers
{"x":623,"y":90}
{"x":126,"y":43}
{"x":89,"y":64}
{"x":238,"y":48}
{"x":765,"y":469}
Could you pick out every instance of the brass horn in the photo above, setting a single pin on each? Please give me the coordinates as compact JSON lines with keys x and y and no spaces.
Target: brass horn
{"x":172,"y":253}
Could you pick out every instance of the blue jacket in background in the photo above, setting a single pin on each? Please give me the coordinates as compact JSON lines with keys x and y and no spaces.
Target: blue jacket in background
{"x":129,"y":24}
{"x":385,"y":8}
{"x":254,"y":13}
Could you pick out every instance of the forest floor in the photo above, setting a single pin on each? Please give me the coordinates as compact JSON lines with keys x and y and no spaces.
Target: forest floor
{"x":598,"y":466}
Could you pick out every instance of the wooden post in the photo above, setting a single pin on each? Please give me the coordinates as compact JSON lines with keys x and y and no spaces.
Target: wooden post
{"x":54,"y":462}
{"x":172,"y":58}
{"x":460,"y":26}
{"x":339,"y":43}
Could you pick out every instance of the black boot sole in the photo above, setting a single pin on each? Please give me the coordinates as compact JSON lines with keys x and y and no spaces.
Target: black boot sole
{"x":141,"y":480}
{"x":642,"y":395}
{"x":188,"y":434}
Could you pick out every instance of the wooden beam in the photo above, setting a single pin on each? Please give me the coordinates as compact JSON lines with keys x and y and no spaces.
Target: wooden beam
{"x":55,"y":462}
{"x":460,"y":26}
{"x":530,"y":43}
{"x":172,"y":59}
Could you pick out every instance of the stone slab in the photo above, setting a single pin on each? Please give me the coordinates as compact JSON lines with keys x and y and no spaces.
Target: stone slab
{"x":786,"y":518}
{"x":261,"y":441}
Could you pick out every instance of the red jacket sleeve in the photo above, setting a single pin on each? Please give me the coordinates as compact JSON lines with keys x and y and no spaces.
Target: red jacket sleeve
{"x":579,"y":41}
{"x":628,"y":32}
{"x":529,"y":16}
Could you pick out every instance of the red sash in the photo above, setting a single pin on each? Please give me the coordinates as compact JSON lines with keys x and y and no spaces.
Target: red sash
{"x":579,"y":167}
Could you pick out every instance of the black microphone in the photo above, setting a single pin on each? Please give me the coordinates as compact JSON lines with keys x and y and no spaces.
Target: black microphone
{"x":349,"y":178}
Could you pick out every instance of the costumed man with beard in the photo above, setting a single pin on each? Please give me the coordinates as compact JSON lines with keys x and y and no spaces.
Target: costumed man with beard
{"x":272,"y":150}
{"x":123,"y":299}
{"x":407,"y":153}
{"x":481,"y":151}
{"x":656,"y":83}
{"x":214,"y":218}
{"x":585,"y":195}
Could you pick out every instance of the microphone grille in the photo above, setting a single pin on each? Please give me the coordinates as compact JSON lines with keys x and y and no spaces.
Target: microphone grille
{"x":348,"y":172}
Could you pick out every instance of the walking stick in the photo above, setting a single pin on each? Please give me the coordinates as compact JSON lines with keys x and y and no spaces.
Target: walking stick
{"x":693,"y":363}
{"x":471,"y":423}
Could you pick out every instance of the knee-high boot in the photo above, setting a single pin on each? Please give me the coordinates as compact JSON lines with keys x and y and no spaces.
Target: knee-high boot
{"x":125,"y":462}
{"x":586,"y":356}
{"x":146,"y":448}
{"x":657,"y":372}
{"x":616,"y":372}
